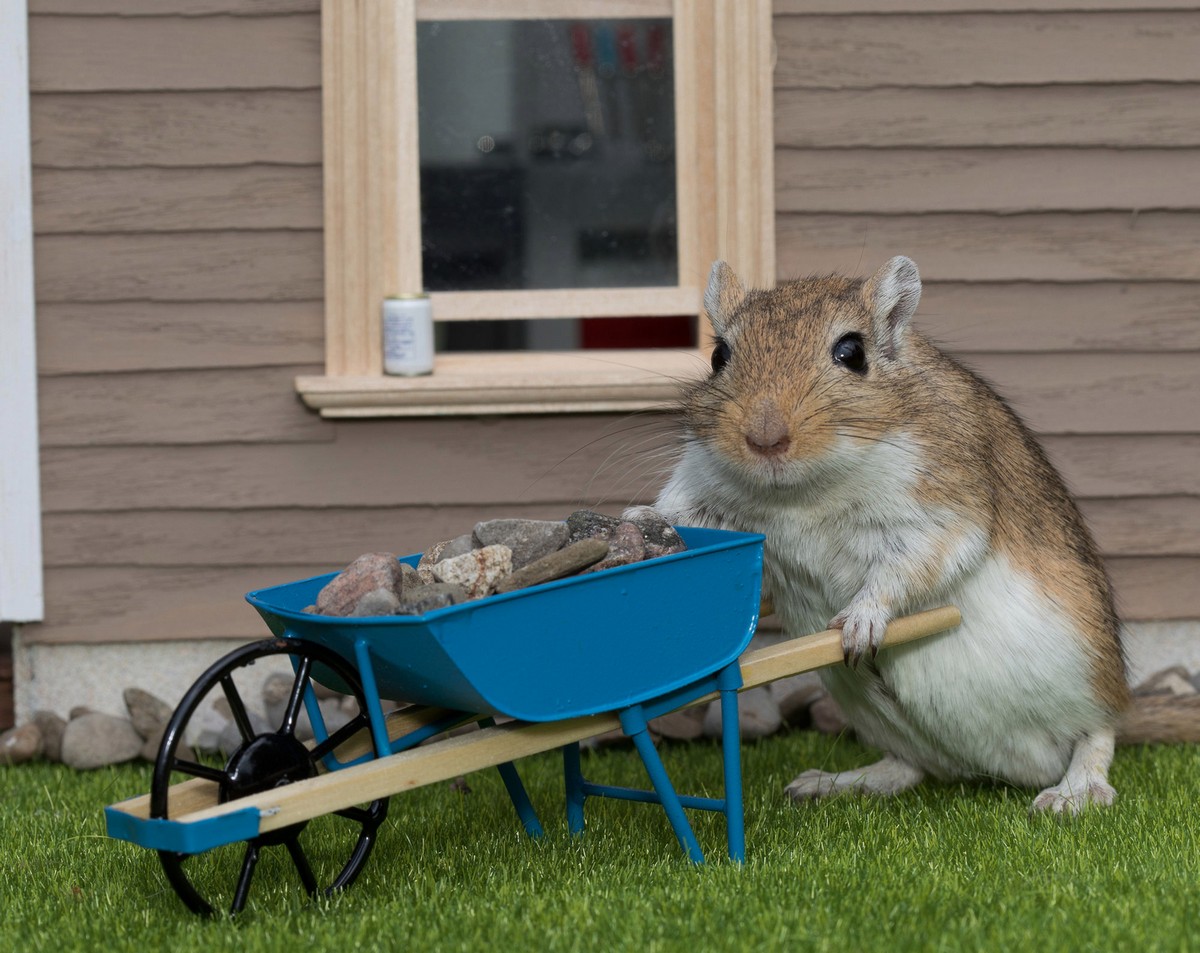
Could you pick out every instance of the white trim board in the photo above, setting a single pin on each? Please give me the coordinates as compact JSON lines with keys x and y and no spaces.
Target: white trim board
{"x":20,"y":499}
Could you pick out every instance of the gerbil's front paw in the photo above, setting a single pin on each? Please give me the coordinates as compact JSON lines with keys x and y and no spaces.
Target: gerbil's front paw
{"x":863,"y":624}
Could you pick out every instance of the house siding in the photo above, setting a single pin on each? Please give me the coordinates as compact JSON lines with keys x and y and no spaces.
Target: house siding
{"x":1039,"y":165}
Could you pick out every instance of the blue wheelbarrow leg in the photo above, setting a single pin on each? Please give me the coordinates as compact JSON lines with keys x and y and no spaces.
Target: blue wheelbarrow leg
{"x":728,"y":682}
{"x":633,"y":722}
{"x":573,"y":775}
{"x":516,"y":791}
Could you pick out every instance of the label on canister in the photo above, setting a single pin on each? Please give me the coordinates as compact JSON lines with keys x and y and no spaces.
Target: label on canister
{"x":407,"y":335}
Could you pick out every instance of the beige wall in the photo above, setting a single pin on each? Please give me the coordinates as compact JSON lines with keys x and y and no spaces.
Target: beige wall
{"x":1042,"y":168}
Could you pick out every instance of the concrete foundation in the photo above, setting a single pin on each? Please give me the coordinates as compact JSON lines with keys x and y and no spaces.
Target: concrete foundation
{"x":59,"y":677}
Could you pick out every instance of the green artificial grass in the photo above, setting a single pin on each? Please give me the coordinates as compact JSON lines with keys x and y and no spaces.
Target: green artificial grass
{"x":944,"y":867}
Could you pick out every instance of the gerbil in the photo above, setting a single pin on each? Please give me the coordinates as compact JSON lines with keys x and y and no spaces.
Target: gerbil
{"x":887,"y":479}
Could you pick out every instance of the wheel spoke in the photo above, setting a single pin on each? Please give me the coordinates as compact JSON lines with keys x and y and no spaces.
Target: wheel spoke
{"x":237,"y":709}
{"x":243,"y":885}
{"x":196,"y":769}
{"x":292,"y":712}
{"x":302,"y":866}
{"x":342,"y":735}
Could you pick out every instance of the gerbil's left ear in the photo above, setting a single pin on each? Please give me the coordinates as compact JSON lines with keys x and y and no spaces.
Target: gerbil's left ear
{"x":723,"y":296}
{"x":892,"y":295}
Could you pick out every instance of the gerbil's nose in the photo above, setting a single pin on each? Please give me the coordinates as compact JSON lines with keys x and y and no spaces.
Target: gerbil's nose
{"x":766,"y":430}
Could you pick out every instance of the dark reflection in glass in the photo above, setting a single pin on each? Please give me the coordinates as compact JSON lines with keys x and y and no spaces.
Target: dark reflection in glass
{"x":547,"y":153}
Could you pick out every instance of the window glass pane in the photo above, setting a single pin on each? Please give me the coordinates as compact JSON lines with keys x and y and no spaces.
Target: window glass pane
{"x":547,"y":154}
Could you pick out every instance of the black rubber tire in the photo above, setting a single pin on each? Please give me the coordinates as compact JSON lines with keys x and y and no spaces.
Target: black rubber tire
{"x":237,"y":778}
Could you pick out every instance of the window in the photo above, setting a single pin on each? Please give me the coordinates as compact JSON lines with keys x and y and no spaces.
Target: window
{"x":377,"y":171}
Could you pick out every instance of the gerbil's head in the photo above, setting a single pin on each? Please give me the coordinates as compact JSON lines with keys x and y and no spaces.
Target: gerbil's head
{"x":806,"y":377}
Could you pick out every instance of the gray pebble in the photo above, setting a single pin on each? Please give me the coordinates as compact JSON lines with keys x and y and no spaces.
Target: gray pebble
{"x":795,"y":695}
{"x":529,"y":540}
{"x":51,"y":727}
{"x":588,"y":524}
{"x":376,"y":602}
{"x":95,"y":740}
{"x":20,"y":744}
{"x":686,"y":724}
{"x":758,"y":715}
{"x":435,"y":595}
{"x":148,"y":713}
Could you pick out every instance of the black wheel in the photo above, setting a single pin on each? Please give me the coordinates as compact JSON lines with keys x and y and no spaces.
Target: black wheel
{"x":264,"y":759}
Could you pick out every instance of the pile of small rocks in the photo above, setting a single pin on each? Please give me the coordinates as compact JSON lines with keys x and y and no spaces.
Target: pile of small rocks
{"x":89,"y":739}
{"x":497,"y":556}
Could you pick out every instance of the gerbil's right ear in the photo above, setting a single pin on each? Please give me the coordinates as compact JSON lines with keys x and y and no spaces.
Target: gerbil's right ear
{"x":892,"y":295}
{"x":723,"y":295}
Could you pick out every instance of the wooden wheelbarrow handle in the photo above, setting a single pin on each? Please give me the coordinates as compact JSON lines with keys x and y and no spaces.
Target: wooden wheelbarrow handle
{"x":806,"y":653}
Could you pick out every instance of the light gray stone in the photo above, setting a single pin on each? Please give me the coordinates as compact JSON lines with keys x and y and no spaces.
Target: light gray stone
{"x":795,"y":695}
{"x":758,"y":715}
{"x":686,"y":724}
{"x":148,"y":713}
{"x":95,"y":740}
{"x":529,"y":540}
{"x":376,"y":602}
{"x":477,"y":571}
{"x":434,"y":595}
{"x":20,"y":744}
{"x":51,"y":727}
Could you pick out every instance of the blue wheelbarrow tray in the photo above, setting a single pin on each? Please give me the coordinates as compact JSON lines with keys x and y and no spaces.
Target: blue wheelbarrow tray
{"x":591,"y":643}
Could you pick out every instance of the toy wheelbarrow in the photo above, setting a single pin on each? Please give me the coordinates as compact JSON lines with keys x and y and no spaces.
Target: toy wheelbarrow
{"x":567,"y":660}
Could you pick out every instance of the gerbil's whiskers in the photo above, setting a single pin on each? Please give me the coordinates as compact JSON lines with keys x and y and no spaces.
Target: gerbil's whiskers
{"x":627,"y":424}
{"x":637,"y":462}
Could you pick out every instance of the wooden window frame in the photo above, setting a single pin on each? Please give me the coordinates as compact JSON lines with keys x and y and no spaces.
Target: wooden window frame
{"x":724,"y":196}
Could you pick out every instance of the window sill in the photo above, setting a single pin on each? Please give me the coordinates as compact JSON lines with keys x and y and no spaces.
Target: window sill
{"x":513,"y":383}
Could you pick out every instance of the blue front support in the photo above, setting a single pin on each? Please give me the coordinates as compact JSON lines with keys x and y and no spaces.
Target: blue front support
{"x":378,"y":722}
{"x":728,"y":683}
{"x":516,"y":792}
{"x":634,"y":724}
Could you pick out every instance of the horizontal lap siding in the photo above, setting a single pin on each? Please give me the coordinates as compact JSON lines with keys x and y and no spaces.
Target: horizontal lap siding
{"x":1041,"y":168}
{"x":1041,"y":163}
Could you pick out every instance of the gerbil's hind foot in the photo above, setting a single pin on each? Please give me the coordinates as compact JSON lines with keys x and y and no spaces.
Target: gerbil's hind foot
{"x":887,"y":776}
{"x":1086,"y":780}
{"x":1064,"y":799}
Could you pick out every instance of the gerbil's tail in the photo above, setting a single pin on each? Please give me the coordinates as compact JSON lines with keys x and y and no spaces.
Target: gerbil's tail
{"x":1160,"y":718}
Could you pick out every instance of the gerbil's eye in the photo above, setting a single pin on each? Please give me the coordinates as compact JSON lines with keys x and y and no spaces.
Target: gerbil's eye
{"x":850,"y":352}
{"x":720,"y":356}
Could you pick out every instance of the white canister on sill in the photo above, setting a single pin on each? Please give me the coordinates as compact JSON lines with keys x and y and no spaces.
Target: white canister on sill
{"x":407,"y":335}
